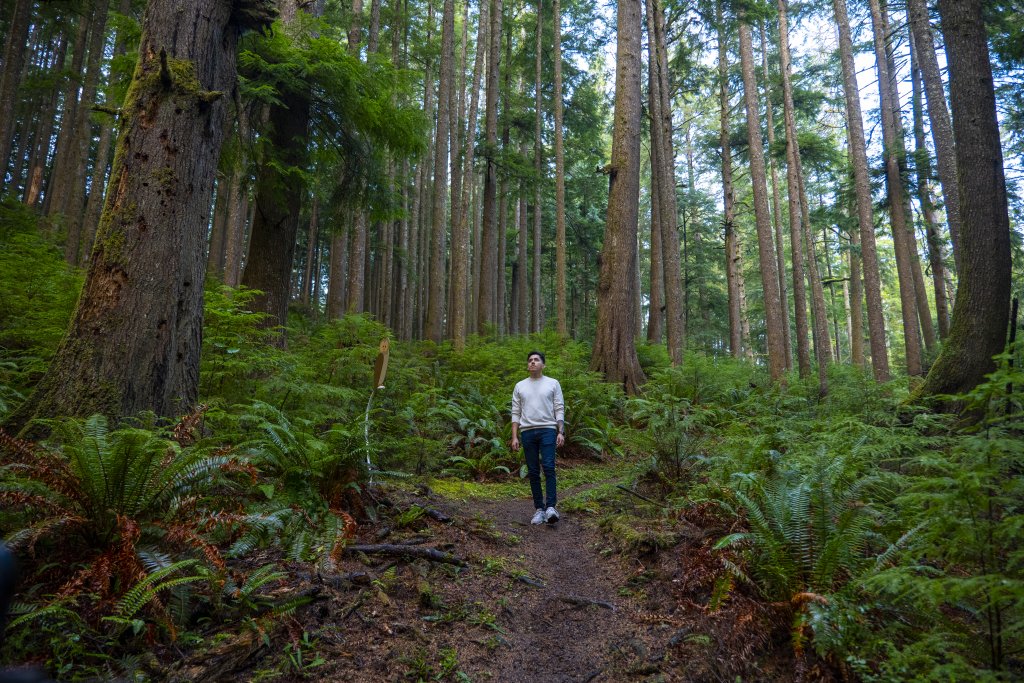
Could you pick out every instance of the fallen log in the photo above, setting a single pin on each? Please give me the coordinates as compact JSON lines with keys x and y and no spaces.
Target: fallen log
{"x":586,"y":602}
{"x":412,"y":551}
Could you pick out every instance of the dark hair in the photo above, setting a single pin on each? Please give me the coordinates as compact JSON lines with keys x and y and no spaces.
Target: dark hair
{"x":536,"y":353}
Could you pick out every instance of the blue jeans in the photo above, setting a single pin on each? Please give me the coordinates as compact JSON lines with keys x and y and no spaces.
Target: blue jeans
{"x":539,"y":448}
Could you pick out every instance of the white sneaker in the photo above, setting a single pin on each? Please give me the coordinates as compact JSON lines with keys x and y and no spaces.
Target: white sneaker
{"x":551,"y":516}
{"x":539,"y":517}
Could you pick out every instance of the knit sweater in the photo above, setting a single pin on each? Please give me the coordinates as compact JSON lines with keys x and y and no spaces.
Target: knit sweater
{"x":538,"y":403}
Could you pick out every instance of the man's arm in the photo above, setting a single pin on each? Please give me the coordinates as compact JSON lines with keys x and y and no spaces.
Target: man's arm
{"x":559,"y":406}
{"x":516,"y":410}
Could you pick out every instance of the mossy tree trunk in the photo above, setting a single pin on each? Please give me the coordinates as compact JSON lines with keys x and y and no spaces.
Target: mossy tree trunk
{"x":134,"y":340}
{"x":981,"y":312}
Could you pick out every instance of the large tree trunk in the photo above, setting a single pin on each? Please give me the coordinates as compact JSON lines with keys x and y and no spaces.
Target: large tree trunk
{"x":438,"y":282}
{"x":656,"y":302}
{"x":538,"y":165}
{"x":614,"y":352}
{"x":938,"y":115}
{"x":774,"y":319}
{"x":134,"y":340}
{"x":862,"y":189}
{"x":980,"y":315}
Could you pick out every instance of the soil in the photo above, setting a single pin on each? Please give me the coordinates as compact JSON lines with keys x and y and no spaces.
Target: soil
{"x":533,"y":604}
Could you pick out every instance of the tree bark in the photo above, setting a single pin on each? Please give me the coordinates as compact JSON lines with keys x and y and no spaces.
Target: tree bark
{"x":938,"y":115}
{"x":862,"y":189}
{"x":981,"y":312}
{"x":438,"y":282}
{"x":922,"y":162}
{"x":488,"y":283}
{"x":560,"y":264}
{"x":134,"y":340}
{"x":902,"y":242}
{"x":10,"y":79}
{"x":774,"y":319}
{"x":614,"y":352}
{"x":780,"y":244}
{"x":733,"y":263}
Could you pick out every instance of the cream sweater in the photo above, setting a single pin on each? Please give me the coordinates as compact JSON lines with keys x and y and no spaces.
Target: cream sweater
{"x":538,"y":403}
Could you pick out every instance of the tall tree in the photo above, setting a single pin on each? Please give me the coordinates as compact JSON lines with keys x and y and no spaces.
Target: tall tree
{"x":488,"y":283}
{"x":774,"y":318}
{"x":134,"y":340}
{"x":981,"y":312}
{"x":560,"y":264}
{"x":862,"y":192}
{"x":938,"y":116}
{"x":614,"y":352}
{"x":901,"y":237}
{"x":733,"y":263}
{"x":10,"y":78}
{"x":661,"y":128}
{"x":435,"y":310}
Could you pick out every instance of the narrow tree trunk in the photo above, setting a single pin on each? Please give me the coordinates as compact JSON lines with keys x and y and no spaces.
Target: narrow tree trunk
{"x":56,"y":196}
{"x":134,"y":340}
{"x":487,"y":284}
{"x":780,"y":243}
{"x":238,"y":211}
{"x":674,"y":323}
{"x":538,"y":165}
{"x":311,"y":248}
{"x":938,"y":115}
{"x":460,"y":231}
{"x":922,"y":162}
{"x":218,"y":229}
{"x":981,"y":313}
{"x":435,"y":309}
{"x":336,"y":298}
{"x":655,"y":313}
{"x":894,"y":184}
{"x":614,"y":352}
{"x":10,"y":79}
{"x":733,"y":263}
{"x":560,"y":275}
{"x":856,"y":297}
{"x":774,"y":320}
{"x":862,"y":189}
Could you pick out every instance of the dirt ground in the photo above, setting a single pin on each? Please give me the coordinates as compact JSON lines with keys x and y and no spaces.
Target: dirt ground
{"x":532,"y":604}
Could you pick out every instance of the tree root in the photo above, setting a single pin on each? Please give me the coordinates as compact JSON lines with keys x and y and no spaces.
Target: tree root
{"x":408,"y":551}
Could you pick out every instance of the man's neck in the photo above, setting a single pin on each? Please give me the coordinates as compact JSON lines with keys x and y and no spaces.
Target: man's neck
{"x":540,"y":373}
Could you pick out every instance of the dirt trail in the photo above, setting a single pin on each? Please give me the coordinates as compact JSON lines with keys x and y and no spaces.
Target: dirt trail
{"x":575,"y":626}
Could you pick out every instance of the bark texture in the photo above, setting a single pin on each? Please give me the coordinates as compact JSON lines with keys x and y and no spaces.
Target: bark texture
{"x":981,"y":312}
{"x":134,"y":340}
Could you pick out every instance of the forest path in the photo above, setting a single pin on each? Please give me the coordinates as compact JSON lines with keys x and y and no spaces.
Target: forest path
{"x":564,"y":616}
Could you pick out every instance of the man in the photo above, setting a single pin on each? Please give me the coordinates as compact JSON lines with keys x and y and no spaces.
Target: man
{"x":538,"y":413}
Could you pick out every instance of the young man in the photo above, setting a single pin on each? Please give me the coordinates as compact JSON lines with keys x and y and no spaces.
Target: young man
{"x":538,"y":418}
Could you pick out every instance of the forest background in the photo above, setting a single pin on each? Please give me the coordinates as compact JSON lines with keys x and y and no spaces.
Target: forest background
{"x":792,"y":296}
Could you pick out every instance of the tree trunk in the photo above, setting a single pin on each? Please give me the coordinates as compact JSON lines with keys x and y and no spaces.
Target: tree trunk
{"x":435,"y":309}
{"x":614,"y":352}
{"x":780,"y":244}
{"x":238,"y":210}
{"x":981,"y":313}
{"x":938,"y":115}
{"x":488,"y":283}
{"x":134,"y":340}
{"x":538,"y":164}
{"x":894,"y":184}
{"x":922,"y":162}
{"x":856,"y":300}
{"x":655,"y":313}
{"x":336,"y":299}
{"x":774,"y":319}
{"x":14,"y":63}
{"x":310,"y":273}
{"x":56,"y":196}
{"x":733,"y":263}
{"x":460,"y":230}
{"x":560,"y":276}
{"x":674,"y":326}
{"x":862,"y":188}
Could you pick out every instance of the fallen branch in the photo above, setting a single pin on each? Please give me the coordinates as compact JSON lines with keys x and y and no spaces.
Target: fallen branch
{"x":438,"y":515}
{"x":530,"y":581}
{"x":408,"y":551}
{"x":632,"y":492}
{"x":586,"y":602}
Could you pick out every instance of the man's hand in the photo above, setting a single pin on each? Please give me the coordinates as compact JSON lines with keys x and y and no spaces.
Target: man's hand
{"x":515,"y":443}
{"x":560,"y":440}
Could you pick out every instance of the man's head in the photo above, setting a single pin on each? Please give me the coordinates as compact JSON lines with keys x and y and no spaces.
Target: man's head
{"x":535,"y":363}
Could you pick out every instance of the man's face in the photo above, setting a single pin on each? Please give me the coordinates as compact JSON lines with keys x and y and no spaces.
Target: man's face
{"x":534,"y":363}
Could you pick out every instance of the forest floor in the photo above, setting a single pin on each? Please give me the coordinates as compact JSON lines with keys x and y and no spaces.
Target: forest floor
{"x":564,"y":602}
